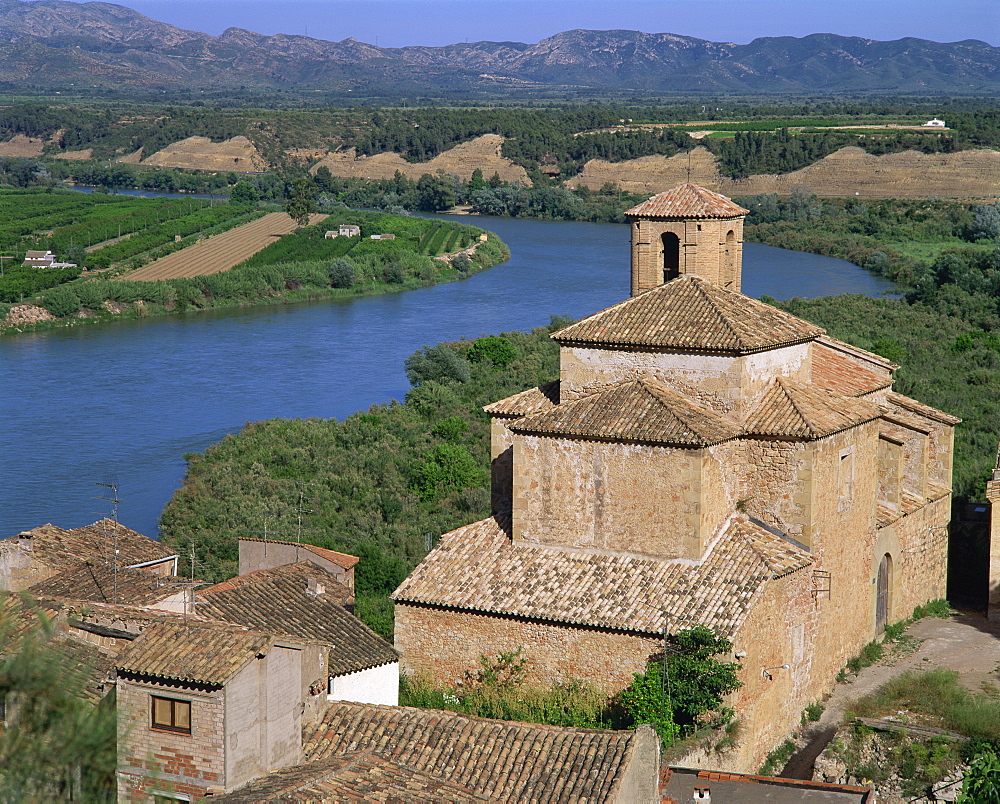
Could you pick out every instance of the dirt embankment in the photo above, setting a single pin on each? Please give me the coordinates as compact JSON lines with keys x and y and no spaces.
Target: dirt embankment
{"x":849,"y":171}
{"x":199,"y":153}
{"x":22,"y":146}
{"x":482,"y":152}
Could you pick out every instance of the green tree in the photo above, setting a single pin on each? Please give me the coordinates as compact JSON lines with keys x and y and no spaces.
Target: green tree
{"x":494,"y":349}
{"x":675,"y":700}
{"x":301,"y":201}
{"x":434,"y":193}
{"x":342,"y":274}
{"x":986,"y":222}
{"x":56,"y":746}
{"x":244,"y":193}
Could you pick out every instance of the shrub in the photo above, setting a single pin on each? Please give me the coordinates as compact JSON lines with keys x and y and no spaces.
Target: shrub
{"x":342,"y":274}
{"x":674,"y":700}
{"x":445,"y":468}
{"x":777,"y":759}
{"x":492,"y":349}
{"x":61,"y":302}
{"x":439,"y":363}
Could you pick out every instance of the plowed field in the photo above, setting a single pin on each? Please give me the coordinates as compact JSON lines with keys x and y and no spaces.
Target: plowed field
{"x":222,"y":252}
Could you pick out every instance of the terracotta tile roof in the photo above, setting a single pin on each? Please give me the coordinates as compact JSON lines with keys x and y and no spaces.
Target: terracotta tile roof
{"x":690,"y":314}
{"x":284,"y":605}
{"x":687,"y":201}
{"x":361,"y":777}
{"x":924,"y":410}
{"x":832,"y":371}
{"x":340,"y":559}
{"x":506,"y":761}
{"x":62,"y":549}
{"x":612,"y":591}
{"x":793,"y":410}
{"x":642,"y":410}
{"x":534,"y":400}
{"x":909,"y":503}
{"x":304,"y":571}
{"x":86,"y":669}
{"x":196,"y":653}
{"x":857,"y":351}
{"x":100,"y":584}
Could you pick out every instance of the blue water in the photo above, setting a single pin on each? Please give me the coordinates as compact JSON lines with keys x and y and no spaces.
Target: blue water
{"x":124,"y":401}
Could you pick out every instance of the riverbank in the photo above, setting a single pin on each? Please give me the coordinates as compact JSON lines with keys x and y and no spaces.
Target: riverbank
{"x":25,"y":318}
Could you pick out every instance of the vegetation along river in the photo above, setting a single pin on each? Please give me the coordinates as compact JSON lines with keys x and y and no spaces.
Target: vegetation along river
{"x":124,"y":401}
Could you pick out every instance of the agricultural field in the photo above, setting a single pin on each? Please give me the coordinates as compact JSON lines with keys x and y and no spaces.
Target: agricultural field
{"x":421,"y":236}
{"x":221,"y":252}
{"x":94,"y":231}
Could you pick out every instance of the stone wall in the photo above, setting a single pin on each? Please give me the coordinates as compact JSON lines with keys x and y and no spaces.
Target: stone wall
{"x":444,"y":644}
{"x":633,"y":498}
{"x":723,"y":383}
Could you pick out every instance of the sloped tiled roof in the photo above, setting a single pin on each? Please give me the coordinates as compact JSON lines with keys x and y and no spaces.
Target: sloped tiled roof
{"x":361,"y":777}
{"x":304,"y":571}
{"x":63,"y":549}
{"x":625,"y":592}
{"x":283,"y":605}
{"x":194,"y":653}
{"x":924,"y":410}
{"x":642,"y":410}
{"x":340,"y":559}
{"x":687,"y":201}
{"x":857,"y":351}
{"x":690,"y":314}
{"x":534,"y":400}
{"x":832,"y":371}
{"x":101,"y":584}
{"x":793,"y":410}
{"x":506,"y":761}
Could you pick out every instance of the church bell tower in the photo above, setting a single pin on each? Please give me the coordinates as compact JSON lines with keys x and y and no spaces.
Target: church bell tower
{"x":686,"y":230}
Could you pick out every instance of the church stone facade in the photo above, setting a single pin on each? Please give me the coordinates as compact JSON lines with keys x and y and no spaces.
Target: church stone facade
{"x":703,"y":458}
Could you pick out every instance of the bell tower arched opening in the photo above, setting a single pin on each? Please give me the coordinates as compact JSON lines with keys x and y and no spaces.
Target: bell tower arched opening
{"x":671,"y":256}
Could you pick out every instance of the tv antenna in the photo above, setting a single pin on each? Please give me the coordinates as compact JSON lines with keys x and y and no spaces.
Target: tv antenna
{"x":114,"y":500}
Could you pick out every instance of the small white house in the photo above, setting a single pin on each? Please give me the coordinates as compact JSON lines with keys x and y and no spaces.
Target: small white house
{"x":44,"y":259}
{"x":344,"y":230}
{"x":935,"y":123}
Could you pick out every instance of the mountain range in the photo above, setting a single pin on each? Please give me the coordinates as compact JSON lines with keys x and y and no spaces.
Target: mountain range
{"x":53,"y":44}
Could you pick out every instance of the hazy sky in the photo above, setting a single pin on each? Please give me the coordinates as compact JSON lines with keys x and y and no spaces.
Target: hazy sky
{"x":393,"y":23}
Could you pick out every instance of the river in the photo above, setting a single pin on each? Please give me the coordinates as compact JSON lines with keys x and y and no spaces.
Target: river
{"x":124,"y":401}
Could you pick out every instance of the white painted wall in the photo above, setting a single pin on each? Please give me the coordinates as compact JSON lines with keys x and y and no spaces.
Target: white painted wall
{"x":377,"y":685}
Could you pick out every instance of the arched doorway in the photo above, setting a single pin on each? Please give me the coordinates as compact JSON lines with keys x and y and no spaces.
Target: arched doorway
{"x":671,"y":256}
{"x":883,"y":587}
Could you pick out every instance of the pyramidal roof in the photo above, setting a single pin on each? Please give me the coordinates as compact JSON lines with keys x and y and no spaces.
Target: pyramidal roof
{"x":687,"y":201}
{"x":793,"y":410}
{"x":642,"y":410}
{"x":690,"y":314}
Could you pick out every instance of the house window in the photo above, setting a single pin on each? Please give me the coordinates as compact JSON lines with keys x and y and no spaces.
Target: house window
{"x":170,"y":714}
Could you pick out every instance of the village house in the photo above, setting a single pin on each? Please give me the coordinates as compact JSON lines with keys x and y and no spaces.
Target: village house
{"x":39,"y":553}
{"x":703,"y":458}
{"x":933,"y":123}
{"x":344,"y":230}
{"x":44,"y":259}
{"x":263,"y":687}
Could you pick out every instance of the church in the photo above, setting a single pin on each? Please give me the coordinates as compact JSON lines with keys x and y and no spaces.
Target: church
{"x":706,"y":459}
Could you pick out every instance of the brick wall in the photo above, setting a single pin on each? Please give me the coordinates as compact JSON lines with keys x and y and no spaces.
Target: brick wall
{"x":160,"y":761}
{"x":710,"y":248}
